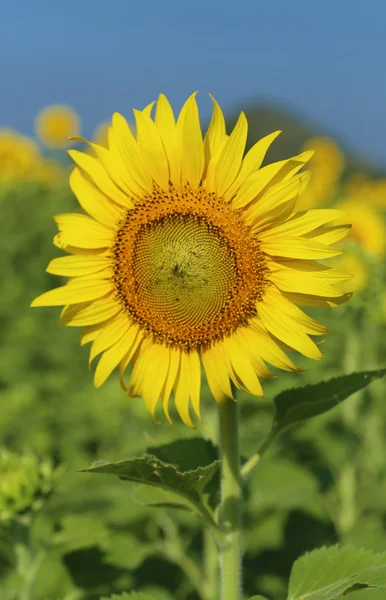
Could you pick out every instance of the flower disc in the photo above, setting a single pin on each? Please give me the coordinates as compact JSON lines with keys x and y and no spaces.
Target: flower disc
{"x":188,"y":273}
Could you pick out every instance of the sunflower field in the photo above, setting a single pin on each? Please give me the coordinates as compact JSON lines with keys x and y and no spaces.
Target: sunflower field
{"x":101,"y":501}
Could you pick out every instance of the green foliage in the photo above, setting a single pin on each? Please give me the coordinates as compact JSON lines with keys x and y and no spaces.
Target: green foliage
{"x":25,"y":484}
{"x":295,"y":405}
{"x":327,"y":573}
{"x":186,"y":483}
{"x":132,"y":596}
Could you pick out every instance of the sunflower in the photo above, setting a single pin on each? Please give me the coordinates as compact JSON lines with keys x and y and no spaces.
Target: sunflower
{"x":326,"y":167}
{"x":19,"y":156}
{"x":190,"y":255}
{"x":55,"y":123}
{"x":101,"y":133}
{"x":368,"y":227}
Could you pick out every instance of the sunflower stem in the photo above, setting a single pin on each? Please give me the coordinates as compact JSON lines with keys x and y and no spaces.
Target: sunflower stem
{"x":230,"y":506}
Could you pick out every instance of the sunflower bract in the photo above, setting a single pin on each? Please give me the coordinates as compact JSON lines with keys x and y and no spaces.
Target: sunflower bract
{"x":192,"y":255}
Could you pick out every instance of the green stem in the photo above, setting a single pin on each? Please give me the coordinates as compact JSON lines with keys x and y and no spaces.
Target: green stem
{"x":230,"y":507}
{"x":210,"y":565}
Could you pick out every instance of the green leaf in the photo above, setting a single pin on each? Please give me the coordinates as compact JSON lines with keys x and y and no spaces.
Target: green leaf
{"x":150,"y":496}
{"x":127,"y":551}
{"x":258,"y":598}
{"x":177,"y":478}
{"x":78,"y":532}
{"x":366,"y":594}
{"x":295,"y":405}
{"x":327,"y":573}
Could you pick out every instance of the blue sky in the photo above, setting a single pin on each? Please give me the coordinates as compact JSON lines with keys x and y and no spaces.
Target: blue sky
{"x":325,"y":60}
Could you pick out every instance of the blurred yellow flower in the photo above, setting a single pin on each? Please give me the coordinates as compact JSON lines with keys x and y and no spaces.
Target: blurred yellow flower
{"x":100,"y":135}
{"x":368,"y":227}
{"x":326,"y":167}
{"x":54,"y":124}
{"x":19,"y":156}
{"x":372,"y":191}
{"x":351,"y":263}
{"x":21,"y":160}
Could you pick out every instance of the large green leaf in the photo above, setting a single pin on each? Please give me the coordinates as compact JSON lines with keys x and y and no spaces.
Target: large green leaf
{"x":295,"y":405}
{"x":182,"y":475}
{"x":327,"y":573}
{"x":258,"y":598}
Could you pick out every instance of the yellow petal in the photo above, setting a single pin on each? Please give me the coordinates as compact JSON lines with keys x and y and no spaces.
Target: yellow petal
{"x":140,"y":343}
{"x":111,"y":333}
{"x":283,"y":304}
{"x":90,"y":313}
{"x":319,"y":301}
{"x":91,"y":199}
{"x":307,"y":278}
{"x":269,"y":349}
{"x":248,"y":338}
{"x":165,"y":123}
{"x":152,"y":150}
{"x":216,"y":136}
{"x":148,"y":109}
{"x":124,"y":148}
{"x":191,"y":143}
{"x":118,"y":171}
{"x":58,"y":242}
{"x":174,"y":365}
{"x":276,"y":207}
{"x":89,"y":333}
{"x":83,"y":231}
{"x":98,"y":174}
{"x":329,"y":235}
{"x":302,"y":223}
{"x":242,"y":366}
{"x":182,"y":391}
{"x":229,"y":162}
{"x":149,"y":374}
{"x":217,"y":373}
{"x":269,"y":198}
{"x":74,"y":293}
{"x":252,"y":162}
{"x":113,"y":356}
{"x":298,"y":247}
{"x":286,"y":329}
{"x":75,"y":266}
{"x":267,"y":177}
{"x":195,"y":381}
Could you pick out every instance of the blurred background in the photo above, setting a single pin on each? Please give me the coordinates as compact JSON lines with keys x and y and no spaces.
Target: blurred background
{"x":314,"y":70}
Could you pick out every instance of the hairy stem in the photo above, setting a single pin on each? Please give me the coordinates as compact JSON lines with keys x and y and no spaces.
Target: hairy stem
{"x":230,"y":507}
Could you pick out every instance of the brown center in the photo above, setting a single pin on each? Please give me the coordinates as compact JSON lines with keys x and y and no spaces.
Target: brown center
{"x":187,"y":268}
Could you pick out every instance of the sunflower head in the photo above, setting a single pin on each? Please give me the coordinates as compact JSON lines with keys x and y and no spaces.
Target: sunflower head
{"x":190,"y":255}
{"x":55,"y":124}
